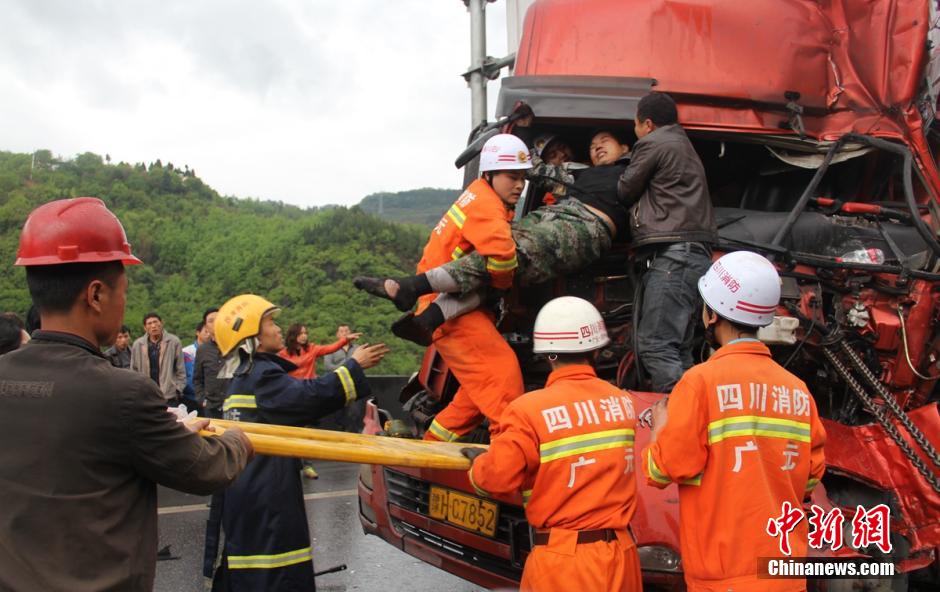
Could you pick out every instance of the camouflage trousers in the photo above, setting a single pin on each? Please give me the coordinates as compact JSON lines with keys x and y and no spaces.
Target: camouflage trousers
{"x":551,"y":241}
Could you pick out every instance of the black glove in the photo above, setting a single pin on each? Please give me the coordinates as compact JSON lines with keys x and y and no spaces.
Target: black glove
{"x":472,"y":453}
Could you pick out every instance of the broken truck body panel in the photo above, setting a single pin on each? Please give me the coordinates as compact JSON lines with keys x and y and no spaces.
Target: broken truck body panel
{"x":764,"y":88}
{"x":856,"y":65}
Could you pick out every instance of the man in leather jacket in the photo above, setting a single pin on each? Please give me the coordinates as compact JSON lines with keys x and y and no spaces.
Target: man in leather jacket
{"x":672,"y":229}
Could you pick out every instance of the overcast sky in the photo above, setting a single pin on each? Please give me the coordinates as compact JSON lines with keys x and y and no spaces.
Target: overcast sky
{"x":304,"y":101}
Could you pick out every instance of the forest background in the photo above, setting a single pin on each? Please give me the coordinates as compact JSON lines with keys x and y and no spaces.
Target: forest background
{"x":200,"y":248}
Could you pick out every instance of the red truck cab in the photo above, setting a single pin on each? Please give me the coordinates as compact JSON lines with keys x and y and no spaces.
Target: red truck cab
{"x":816,"y":125}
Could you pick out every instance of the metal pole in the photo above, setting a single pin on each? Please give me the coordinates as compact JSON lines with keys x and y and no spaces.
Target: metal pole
{"x":477,"y":56}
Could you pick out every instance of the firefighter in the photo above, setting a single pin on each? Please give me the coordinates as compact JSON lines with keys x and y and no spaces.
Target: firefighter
{"x":740,"y":435}
{"x":82,"y":443}
{"x":473,"y":349}
{"x":267,"y":542}
{"x":569,"y":449}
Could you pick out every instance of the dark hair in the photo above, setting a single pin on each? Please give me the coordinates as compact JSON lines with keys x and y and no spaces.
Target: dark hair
{"x":290,"y":342}
{"x":620,"y":135}
{"x":739,"y":327}
{"x":658,"y":107}
{"x":55,"y":288}
{"x":579,"y":358}
{"x":208,"y":312}
{"x":200,"y":326}
{"x":124,"y":329}
{"x":11,"y":335}
{"x":33,"y":321}
{"x":15,"y":318}
{"x":151,"y":315}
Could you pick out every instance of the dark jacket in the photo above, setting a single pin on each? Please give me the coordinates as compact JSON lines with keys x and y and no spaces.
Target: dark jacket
{"x":666,"y":188}
{"x":82,"y":446}
{"x":206,"y":382}
{"x":118,"y":359}
{"x":597,"y":187}
{"x":262,"y":513}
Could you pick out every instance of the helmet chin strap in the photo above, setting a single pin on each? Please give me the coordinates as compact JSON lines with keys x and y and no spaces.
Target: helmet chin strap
{"x":552,"y":357}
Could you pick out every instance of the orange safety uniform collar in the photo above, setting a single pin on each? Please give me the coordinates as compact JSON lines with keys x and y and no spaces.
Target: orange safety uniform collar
{"x":741,"y":347}
{"x":573,"y":372}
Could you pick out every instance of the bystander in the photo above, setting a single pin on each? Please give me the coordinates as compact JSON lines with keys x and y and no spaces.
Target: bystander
{"x":159,"y":355}
{"x":119,"y":354}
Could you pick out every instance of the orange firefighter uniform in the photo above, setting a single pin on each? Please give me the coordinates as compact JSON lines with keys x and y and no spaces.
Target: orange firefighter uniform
{"x":482,"y":361}
{"x":569,"y":449}
{"x":742,"y":437}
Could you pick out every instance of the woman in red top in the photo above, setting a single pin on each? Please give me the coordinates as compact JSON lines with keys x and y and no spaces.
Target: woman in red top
{"x":304,"y":354}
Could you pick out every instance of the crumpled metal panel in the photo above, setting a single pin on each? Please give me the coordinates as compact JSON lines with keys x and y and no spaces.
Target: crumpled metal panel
{"x":857,"y":64}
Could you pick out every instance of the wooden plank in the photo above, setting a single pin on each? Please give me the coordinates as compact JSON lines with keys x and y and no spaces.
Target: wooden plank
{"x":289,"y":441}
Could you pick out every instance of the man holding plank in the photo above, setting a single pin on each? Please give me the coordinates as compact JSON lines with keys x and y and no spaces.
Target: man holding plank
{"x":83,"y":444}
{"x":267,"y":542}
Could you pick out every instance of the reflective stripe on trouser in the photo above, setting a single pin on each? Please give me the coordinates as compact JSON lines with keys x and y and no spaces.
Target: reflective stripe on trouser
{"x":551,"y":241}
{"x":564,"y":565}
{"x":270,"y":561}
{"x":488,"y":372}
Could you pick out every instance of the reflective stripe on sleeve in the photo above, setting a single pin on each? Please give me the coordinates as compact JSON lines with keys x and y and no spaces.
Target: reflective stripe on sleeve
{"x":349,"y":385}
{"x":526,"y":495}
{"x":696,"y":480}
{"x":494,"y":264}
{"x":270,"y":561}
{"x":754,"y":425}
{"x":457,"y":215}
{"x":239,"y":402}
{"x":442,"y":433}
{"x":655,"y":474}
{"x":477,"y":488}
{"x":457,"y":254}
{"x":811,"y":484}
{"x":575,"y":445}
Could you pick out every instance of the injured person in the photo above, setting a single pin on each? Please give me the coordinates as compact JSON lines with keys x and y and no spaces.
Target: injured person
{"x":553,"y":240}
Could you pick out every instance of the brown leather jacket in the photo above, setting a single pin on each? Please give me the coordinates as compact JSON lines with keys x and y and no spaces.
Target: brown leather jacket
{"x":666,"y":189}
{"x":82,"y":447}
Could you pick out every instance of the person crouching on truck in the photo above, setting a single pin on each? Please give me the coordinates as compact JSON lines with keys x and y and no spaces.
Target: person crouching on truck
{"x":267,"y":542}
{"x":569,"y":449}
{"x":551,"y":241}
{"x":478,"y":223}
{"x":741,"y":437}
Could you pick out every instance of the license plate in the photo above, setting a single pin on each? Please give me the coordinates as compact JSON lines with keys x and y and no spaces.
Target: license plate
{"x":463,"y":510}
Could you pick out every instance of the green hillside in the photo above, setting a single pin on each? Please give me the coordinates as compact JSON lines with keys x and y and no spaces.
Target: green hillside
{"x":418,"y":206}
{"x":200,"y":248}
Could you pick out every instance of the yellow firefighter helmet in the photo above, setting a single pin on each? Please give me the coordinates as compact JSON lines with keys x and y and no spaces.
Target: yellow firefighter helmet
{"x":239,"y":319}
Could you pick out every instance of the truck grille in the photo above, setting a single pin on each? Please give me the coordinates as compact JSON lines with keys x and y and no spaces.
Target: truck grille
{"x":413,"y":495}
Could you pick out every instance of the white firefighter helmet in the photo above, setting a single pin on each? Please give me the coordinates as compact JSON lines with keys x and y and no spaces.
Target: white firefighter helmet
{"x":743,"y":287}
{"x":504,"y":152}
{"x":568,"y":325}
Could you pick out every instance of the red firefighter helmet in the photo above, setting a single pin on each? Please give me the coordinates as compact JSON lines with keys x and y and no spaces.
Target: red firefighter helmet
{"x":79,"y":230}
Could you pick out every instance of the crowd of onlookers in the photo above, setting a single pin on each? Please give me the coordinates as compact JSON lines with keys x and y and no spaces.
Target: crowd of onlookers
{"x":189,"y":374}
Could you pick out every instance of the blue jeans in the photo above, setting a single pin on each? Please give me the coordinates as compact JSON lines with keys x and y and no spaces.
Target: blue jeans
{"x":671,"y":306}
